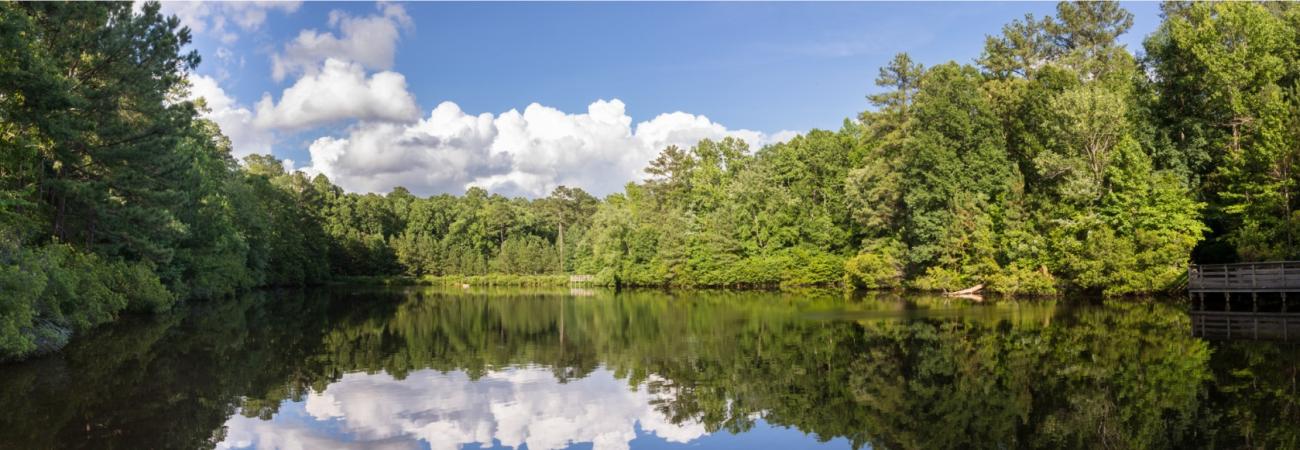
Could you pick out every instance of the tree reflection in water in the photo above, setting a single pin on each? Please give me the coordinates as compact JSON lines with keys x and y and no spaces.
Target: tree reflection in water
{"x":549,"y":369}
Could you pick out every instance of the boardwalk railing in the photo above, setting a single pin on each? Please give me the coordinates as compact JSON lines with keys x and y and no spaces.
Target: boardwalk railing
{"x":1279,"y":276}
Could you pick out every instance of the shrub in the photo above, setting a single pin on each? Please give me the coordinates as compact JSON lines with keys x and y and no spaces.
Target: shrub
{"x":144,"y":291}
{"x":20,"y":287}
{"x":873,"y":271}
{"x":497,"y":280}
{"x":1019,"y":280}
{"x":79,"y":288}
{"x":53,"y":291}
{"x":940,"y":279}
{"x":805,"y":267}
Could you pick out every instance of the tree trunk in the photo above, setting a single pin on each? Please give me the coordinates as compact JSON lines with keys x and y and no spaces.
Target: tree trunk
{"x":967,"y":291}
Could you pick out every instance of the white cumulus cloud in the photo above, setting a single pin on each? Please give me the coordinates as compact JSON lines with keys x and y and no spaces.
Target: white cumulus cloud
{"x":214,"y":18}
{"x":339,"y":91}
{"x":438,"y":154}
{"x":236,"y":122}
{"x":370,"y":41}
{"x":386,"y":143}
{"x":516,"y":153}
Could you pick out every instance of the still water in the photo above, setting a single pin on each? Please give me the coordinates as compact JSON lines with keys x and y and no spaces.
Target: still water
{"x":593,"y":369}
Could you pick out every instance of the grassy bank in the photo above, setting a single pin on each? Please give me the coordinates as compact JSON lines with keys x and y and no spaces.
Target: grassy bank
{"x":515,"y":280}
{"x":496,"y":280}
{"x":378,"y":280}
{"x":457,"y":280}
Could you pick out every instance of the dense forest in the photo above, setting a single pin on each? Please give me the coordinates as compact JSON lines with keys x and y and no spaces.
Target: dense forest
{"x":1060,"y":160}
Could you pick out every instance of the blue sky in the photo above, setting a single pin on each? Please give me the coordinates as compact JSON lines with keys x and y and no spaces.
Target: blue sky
{"x":755,"y":70}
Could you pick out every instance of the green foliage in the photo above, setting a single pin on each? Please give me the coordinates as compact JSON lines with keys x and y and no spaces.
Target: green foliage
{"x":115,"y":195}
{"x":144,"y":291}
{"x":1060,"y":162}
{"x":941,"y":279}
{"x":79,"y":287}
{"x":56,"y":289}
{"x":1225,"y":100}
{"x":460,"y":281}
{"x":1017,"y":279}
{"x":1138,"y":237}
{"x":878,"y":267}
{"x":22,"y":287}
{"x":808,"y":267}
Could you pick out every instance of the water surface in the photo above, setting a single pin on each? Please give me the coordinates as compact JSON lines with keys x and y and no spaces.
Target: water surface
{"x":595,"y":369}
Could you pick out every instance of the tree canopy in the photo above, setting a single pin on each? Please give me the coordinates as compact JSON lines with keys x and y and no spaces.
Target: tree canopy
{"x":1060,"y":160}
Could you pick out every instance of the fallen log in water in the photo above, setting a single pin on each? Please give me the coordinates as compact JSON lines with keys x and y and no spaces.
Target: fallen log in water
{"x":968,"y":291}
{"x":971,"y":297}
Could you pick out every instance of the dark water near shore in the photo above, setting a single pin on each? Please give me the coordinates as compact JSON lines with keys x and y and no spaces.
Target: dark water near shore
{"x":449,"y":369}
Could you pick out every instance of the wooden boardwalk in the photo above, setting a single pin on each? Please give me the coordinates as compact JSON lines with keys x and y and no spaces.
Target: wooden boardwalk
{"x":1256,"y":289}
{"x":1280,"y":276}
{"x":1259,"y":291}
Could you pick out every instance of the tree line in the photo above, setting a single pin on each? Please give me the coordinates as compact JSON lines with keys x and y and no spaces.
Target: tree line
{"x":1059,"y":160}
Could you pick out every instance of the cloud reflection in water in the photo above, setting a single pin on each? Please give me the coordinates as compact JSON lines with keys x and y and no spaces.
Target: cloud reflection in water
{"x":446,"y":411}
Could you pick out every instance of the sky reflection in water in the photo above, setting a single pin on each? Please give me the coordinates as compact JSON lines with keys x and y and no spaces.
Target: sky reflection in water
{"x":594,"y":369}
{"x":518,"y":407}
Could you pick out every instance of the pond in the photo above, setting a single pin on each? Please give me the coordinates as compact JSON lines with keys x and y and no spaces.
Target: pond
{"x":594,"y":369}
